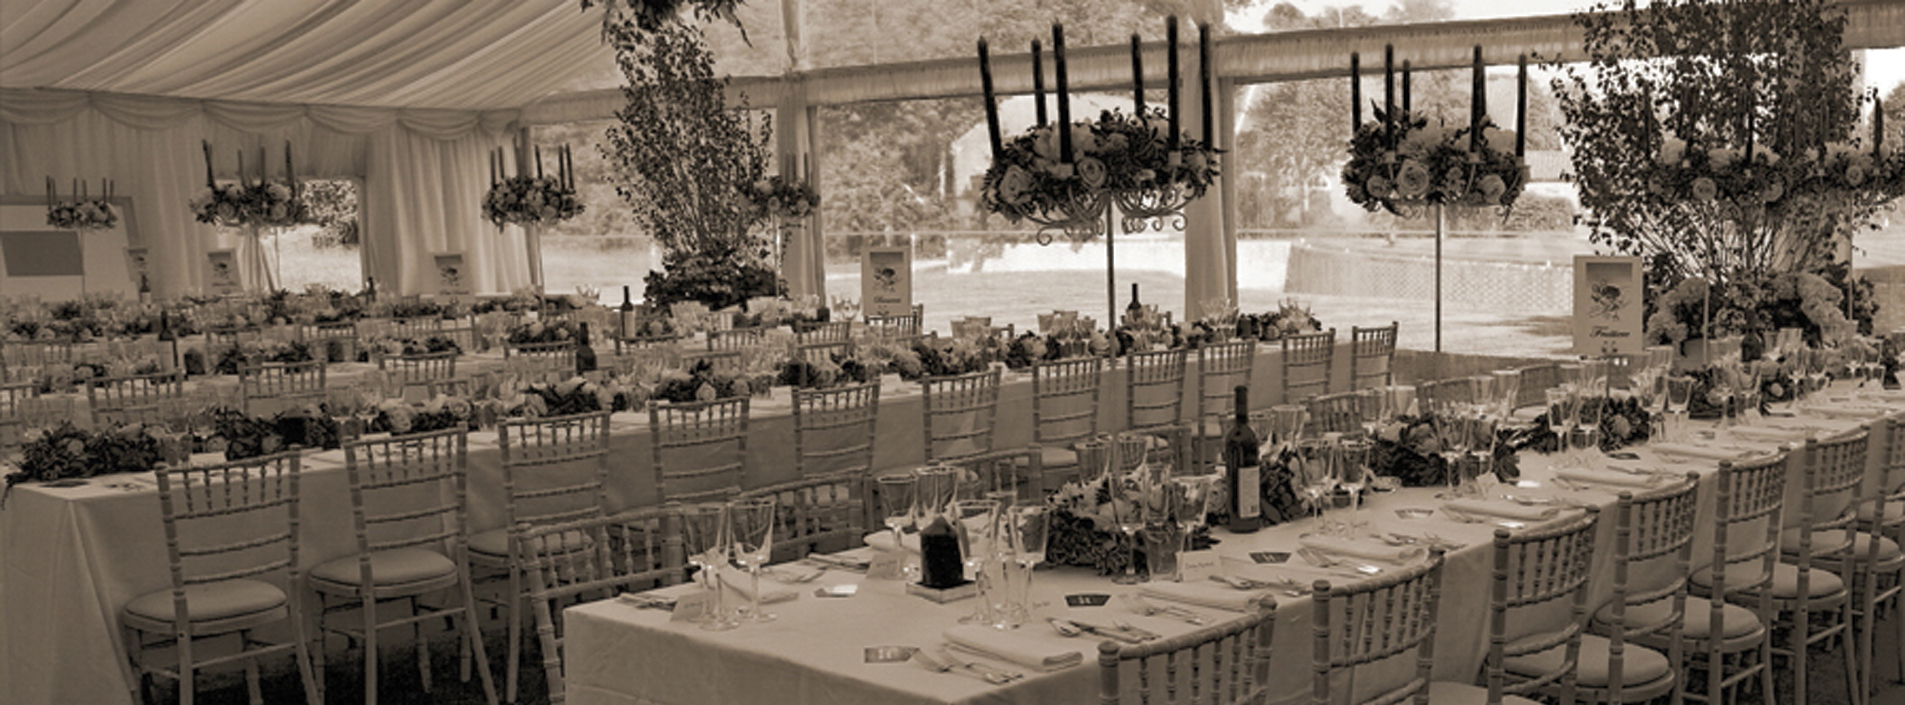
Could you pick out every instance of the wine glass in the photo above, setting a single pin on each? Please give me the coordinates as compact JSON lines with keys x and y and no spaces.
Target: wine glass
{"x":1319,"y":478}
{"x":1352,"y":461}
{"x":976,"y":525}
{"x":899,"y":504}
{"x":1590,"y":407}
{"x":1372,"y":411}
{"x":752,"y":524}
{"x":1127,"y":492}
{"x":1094,"y":458}
{"x":1679,"y":396}
{"x":1192,"y":503}
{"x":1507,"y":391}
{"x":1129,"y":450}
{"x":938,"y":484}
{"x":1030,"y":531}
{"x":705,"y":539}
{"x":1287,"y":422}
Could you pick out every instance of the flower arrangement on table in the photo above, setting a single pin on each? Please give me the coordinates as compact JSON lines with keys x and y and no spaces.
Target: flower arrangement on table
{"x":542,"y":332}
{"x":257,"y":352}
{"x":1084,"y":525}
{"x":93,"y":316}
{"x":63,"y":377}
{"x":1289,"y":318}
{"x":699,"y":383}
{"x":1408,"y":449}
{"x":66,"y":451}
{"x":927,"y":357}
{"x":1032,"y":348}
{"x":239,"y":435}
{"x":1753,"y":304}
{"x":394,"y":346}
{"x":787,"y":199}
{"x":1623,"y":423}
{"x":836,"y":370}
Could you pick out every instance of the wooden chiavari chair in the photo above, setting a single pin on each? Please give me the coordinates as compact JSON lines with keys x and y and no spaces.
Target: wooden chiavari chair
{"x":274,"y":386}
{"x":901,"y":326}
{"x":143,"y":399}
{"x":1816,"y":553}
{"x":736,"y":339}
{"x":1881,"y":522}
{"x":1749,"y":499}
{"x":829,"y":332}
{"x":13,"y":397}
{"x":1065,"y":397}
{"x":554,"y":359}
{"x":435,"y":372}
{"x":1653,"y":552}
{"x":595,"y":558}
{"x":957,"y":414}
{"x":1308,"y":359}
{"x":699,"y":449}
{"x":834,"y":429}
{"x":1335,"y":413}
{"x":1366,"y":628}
{"x":1154,"y":400}
{"x":818,"y":514}
{"x":412,"y":526}
{"x":227,"y":528}
{"x":1372,"y":356}
{"x":1536,"y":380}
{"x":1223,"y":664}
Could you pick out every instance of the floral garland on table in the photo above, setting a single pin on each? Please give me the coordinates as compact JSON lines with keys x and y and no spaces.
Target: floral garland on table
{"x":255,"y":352}
{"x":1290,"y":318}
{"x":1030,"y":349}
{"x":266,"y":204}
{"x":942,"y":358}
{"x":1116,"y":152}
{"x":63,"y":378}
{"x":530,"y":200}
{"x":788,"y":199}
{"x":1623,"y":423}
{"x":65,"y":451}
{"x":837,"y":370}
{"x":397,"y":417}
{"x":1084,"y":527}
{"x":412,"y":346}
{"x":699,"y":383}
{"x":539,"y":332}
{"x":84,"y":214}
{"x":1409,"y":450}
{"x":1431,"y":164}
{"x":239,"y":435}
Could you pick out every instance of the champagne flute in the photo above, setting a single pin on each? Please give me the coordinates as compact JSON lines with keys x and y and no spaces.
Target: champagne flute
{"x":936,"y":488}
{"x":899,"y":503}
{"x":1319,"y":479}
{"x":1030,"y":531}
{"x":1192,"y":507}
{"x":1352,"y":460}
{"x":1127,"y":492}
{"x":705,"y":535}
{"x":976,"y":525}
{"x":752,"y":524}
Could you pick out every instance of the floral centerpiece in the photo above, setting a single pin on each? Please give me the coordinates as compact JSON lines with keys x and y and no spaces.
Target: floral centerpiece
{"x":1752,"y":304}
{"x":1623,"y":422}
{"x":257,"y":352}
{"x":83,"y":214}
{"x":1408,"y":449}
{"x":1290,"y":318}
{"x":836,"y":370}
{"x":699,"y":383}
{"x":787,"y":199}
{"x":542,"y":332}
{"x":394,"y":346}
{"x":66,"y":451}
{"x":1084,"y":526}
{"x":1116,"y":152}
{"x":530,"y":200}
{"x":1430,"y":164}
{"x":270,"y":204}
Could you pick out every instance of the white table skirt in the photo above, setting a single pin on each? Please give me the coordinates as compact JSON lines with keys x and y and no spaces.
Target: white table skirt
{"x":71,"y":558}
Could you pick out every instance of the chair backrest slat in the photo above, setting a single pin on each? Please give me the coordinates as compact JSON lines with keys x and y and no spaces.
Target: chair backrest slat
{"x":699,"y":448}
{"x":281,"y":383}
{"x":1307,"y":362}
{"x":834,"y":429}
{"x":1372,"y":356}
{"x":816,"y":514}
{"x":1222,"y":664}
{"x":958,"y":412}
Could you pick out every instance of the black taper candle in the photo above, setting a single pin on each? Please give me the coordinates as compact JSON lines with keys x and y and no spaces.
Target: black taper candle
{"x":1204,"y":85}
{"x":1878,"y":125}
{"x":992,"y":103}
{"x":1521,"y":106}
{"x":1170,"y":80}
{"x":1477,"y":104}
{"x":1405,"y":93}
{"x":1389,"y":95}
{"x":1064,"y":95}
{"x":1137,"y":75}
{"x":1038,"y":81}
{"x":1355,"y":94}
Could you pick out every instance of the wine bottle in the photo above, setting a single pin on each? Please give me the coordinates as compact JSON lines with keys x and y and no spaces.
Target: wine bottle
{"x":1134,"y":311}
{"x":584,"y":353}
{"x":629,"y":323}
{"x":170,"y":338}
{"x":939,"y":560}
{"x":1244,"y":479}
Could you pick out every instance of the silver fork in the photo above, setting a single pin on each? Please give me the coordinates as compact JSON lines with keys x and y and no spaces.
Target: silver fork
{"x":1321,"y":559}
{"x":1147,"y":608}
{"x":936,"y":665}
{"x":947,"y":650}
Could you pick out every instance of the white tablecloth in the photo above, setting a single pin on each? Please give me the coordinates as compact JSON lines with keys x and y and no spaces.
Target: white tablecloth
{"x":71,"y":558}
{"x":616,"y":654}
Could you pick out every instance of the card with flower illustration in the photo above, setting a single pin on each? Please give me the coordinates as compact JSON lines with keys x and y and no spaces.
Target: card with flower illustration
{"x":886,"y":282}
{"x":1608,"y":317}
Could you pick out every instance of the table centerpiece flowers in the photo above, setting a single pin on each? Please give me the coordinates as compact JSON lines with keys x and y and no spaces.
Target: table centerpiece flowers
{"x":1408,"y":449}
{"x":1415,"y":163}
{"x":257,"y":352}
{"x":67,"y":451}
{"x":1084,"y":526}
{"x":81,"y":212}
{"x":784,"y":198}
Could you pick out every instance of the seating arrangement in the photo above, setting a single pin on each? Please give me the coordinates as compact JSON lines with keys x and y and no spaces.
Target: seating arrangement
{"x":1653,"y":547}
{"x":957,"y":414}
{"x":1735,"y":646}
{"x":1221,"y":367}
{"x":224,"y":585}
{"x":557,"y":358}
{"x":435,"y":372}
{"x":736,"y":338}
{"x":412,"y":526}
{"x":1372,"y":356}
{"x":144,"y":399}
{"x":273,"y":387}
{"x":901,"y":327}
{"x":1223,"y":664}
{"x":596,"y":558}
{"x":699,"y":449}
{"x":1308,"y":360}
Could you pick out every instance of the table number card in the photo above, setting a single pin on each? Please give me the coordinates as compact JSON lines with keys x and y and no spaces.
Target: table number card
{"x":1199,"y":566}
{"x":1087,"y":600}
{"x":691,"y":606}
{"x":222,"y":272}
{"x":1262,"y":557}
{"x":887,"y":565}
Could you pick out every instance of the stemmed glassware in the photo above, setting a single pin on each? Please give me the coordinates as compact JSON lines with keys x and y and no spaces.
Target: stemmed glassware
{"x":752,"y":525}
{"x":1192,"y":504}
{"x":1319,"y":474}
{"x":976,"y":524}
{"x":1029,"y":530}
{"x":1507,"y":391}
{"x":1127,"y":492}
{"x":1352,"y":462}
{"x":705,"y":535}
{"x":1679,"y":395}
{"x":938,"y":484}
{"x":899,"y":505}
{"x":1589,"y":406}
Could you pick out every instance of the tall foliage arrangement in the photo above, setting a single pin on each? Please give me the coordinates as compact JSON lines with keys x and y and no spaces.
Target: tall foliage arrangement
{"x":1661,"y":143}
{"x":686,"y":162}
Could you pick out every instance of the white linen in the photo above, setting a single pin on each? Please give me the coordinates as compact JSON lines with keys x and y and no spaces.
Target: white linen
{"x":883,"y":540}
{"x":1012,"y":647}
{"x":1205,"y":595}
{"x":1364,"y":549}
{"x":1708,"y":452}
{"x":1615,"y":478}
{"x":1506,"y":510}
{"x":743,"y":585}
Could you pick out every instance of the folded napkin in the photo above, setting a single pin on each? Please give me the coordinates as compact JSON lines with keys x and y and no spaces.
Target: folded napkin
{"x":1205,"y":595}
{"x":1849,"y":412}
{"x":883,"y":540}
{"x":741,"y":584}
{"x":1769,"y":434}
{"x":1024,"y":651}
{"x":1616,"y":478}
{"x":1480,"y":507}
{"x":1711,"y":453}
{"x":1363,"y":549}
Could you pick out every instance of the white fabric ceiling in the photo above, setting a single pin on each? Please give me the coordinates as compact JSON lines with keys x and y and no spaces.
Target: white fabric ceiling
{"x":457,"y":54}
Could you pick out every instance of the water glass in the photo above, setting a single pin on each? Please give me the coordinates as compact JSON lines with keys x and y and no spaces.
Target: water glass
{"x":1507,"y":391}
{"x":705,"y":539}
{"x":1352,"y":464}
{"x":1317,"y":473}
{"x":1030,"y":529}
{"x":899,"y":507}
{"x":1679,"y":396}
{"x":936,"y":488}
{"x":976,"y":525}
{"x":752,"y":528}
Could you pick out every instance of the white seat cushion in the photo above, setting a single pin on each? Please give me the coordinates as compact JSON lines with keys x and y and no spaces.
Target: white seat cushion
{"x":1446,"y":693}
{"x":401,"y":566}
{"x":1785,"y":579}
{"x":210,"y":601}
{"x":495,"y":542}
{"x":1639,"y":664}
{"x":1824,"y":542}
{"x":1894,"y":512}
{"x":1735,"y":621}
{"x":1057,"y":456}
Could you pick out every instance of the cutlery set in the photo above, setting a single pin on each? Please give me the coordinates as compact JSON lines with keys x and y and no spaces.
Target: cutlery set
{"x":945,"y":662}
{"x":1118,"y":630}
{"x":1149,"y":609}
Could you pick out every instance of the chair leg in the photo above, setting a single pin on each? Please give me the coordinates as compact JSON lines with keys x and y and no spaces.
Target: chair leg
{"x":317,"y":653}
{"x":515,"y":632}
{"x":1868,"y":604}
{"x":252,"y":686}
{"x":370,"y":649}
{"x":133,"y":641}
{"x":423,"y":646}
{"x":473,"y":641}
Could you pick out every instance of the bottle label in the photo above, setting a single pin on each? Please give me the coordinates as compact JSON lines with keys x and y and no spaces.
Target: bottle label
{"x":1249,"y":491}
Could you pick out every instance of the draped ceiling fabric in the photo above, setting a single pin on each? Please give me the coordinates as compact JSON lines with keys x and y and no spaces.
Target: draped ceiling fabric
{"x":407,"y":96}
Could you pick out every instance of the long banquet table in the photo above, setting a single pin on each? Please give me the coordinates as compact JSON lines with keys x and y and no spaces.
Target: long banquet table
{"x":619,"y":654}
{"x":72,"y":557}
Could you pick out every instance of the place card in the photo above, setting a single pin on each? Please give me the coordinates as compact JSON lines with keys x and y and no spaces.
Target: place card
{"x":1415,"y":513}
{"x":846,"y":590}
{"x":1198,"y":566}
{"x":890,"y":654}
{"x":887,"y":565}
{"x":1262,"y":557}
{"x":1086,"y":600}
{"x":691,"y":606}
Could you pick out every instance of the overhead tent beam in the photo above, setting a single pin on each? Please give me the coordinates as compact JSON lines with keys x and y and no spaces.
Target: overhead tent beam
{"x":1241,"y":59}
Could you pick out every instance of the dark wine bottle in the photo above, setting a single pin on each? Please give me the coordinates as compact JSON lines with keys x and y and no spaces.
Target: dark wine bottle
{"x":1240,"y":457}
{"x":170,"y":338}
{"x":939,"y":560}
{"x":628,"y":316}
{"x":584,"y":353}
{"x":1133,"y":311}
{"x":370,"y":289}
